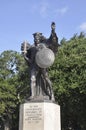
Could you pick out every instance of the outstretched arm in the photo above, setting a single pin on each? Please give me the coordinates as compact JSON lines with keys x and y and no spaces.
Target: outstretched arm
{"x":53,"y":39}
{"x":53,"y":36}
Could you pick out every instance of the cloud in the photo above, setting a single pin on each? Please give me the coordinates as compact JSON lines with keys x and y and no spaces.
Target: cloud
{"x":41,"y":8}
{"x":82,"y":27}
{"x":61,"y":11}
{"x":46,"y":9}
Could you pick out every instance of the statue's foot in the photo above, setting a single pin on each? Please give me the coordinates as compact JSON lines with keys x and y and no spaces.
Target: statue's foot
{"x":31,"y":97}
{"x":53,"y":99}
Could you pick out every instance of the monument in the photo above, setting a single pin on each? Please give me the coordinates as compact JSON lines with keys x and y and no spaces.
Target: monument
{"x":40,"y":112}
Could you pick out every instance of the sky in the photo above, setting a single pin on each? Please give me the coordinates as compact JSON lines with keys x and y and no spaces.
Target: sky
{"x":19,"y":19}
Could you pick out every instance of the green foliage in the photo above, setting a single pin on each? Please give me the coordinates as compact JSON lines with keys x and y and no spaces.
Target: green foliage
{"x":69,"y":82}
{"x":9,"y":69}
{"x":63,"y":41}
{"x":7,"y":89}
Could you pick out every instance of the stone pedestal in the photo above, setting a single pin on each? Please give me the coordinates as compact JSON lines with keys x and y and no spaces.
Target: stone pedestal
{"x":39,"y":116}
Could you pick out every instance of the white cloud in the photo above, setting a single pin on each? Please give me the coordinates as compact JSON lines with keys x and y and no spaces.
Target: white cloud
{"x":41,"y":8}
{"x":61,"y":11}
{"x":83,"y":26}
{"x":44,"y":7}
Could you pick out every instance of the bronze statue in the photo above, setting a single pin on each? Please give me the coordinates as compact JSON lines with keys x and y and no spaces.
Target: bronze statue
{"x":39,"y":57}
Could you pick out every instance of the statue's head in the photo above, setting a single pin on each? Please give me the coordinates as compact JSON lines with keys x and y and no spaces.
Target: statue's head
{"x":37,"y":37}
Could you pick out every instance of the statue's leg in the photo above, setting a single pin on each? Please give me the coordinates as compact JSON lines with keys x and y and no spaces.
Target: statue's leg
{"x":45,"y":74}
{"x":33,"y":83}
{"x":50,"y":87}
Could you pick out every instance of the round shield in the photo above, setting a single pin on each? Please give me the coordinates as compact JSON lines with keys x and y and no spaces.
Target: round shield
{"x":44,"y":58}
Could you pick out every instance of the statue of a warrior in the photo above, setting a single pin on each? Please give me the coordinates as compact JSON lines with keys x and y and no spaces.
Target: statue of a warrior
{"x":39,"y":57}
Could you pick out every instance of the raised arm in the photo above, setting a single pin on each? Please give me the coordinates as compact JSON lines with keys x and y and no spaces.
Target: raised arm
{"x":53,"y":39}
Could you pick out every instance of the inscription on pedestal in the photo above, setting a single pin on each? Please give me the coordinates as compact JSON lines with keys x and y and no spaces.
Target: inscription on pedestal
{"x":33,"y":114}
{"x":39,"y":116}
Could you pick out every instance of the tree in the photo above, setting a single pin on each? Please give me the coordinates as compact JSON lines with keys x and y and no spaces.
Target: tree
{"x":9,"y":68}
{"x":69,"y":83}
{"x":63,"y":41}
